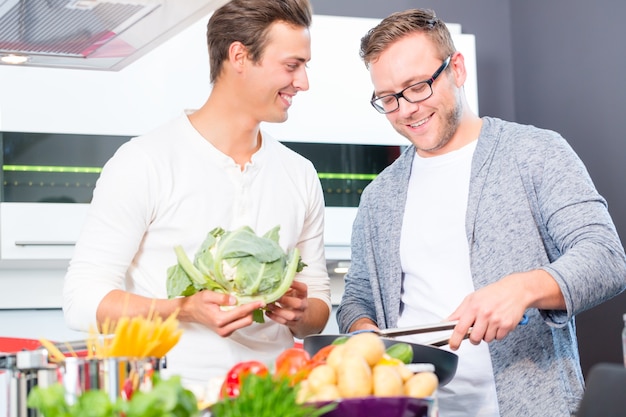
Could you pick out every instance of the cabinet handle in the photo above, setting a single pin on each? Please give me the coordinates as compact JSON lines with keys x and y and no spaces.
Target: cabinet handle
{"x":43,"y":243}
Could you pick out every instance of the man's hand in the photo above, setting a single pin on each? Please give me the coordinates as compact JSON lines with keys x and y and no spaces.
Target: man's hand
{"x":290,"y":308}
{"x":492,"y":312}
{"x":303,"y":315}
{"x":205,"y":307}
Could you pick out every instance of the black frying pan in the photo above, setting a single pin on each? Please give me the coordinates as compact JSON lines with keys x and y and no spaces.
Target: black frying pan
{"x":445,"y":362}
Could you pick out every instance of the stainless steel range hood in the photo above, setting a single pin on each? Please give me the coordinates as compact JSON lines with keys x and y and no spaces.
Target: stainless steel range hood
{"x":91,"y":34}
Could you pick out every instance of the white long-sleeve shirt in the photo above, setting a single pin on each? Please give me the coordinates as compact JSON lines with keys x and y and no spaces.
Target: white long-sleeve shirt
{"x":171,"y":187}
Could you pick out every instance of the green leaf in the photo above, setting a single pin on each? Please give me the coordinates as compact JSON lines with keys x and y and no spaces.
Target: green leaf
{"x":198,"y":279}
{"x":267,"y":396}
{"x":285,"y":283}
{"x":187,"y":404}
{"x":94,"y":403}
{"x":50,"y":401}
{"x":273,"y":234}
{"x":167,"y":398}
{"x":254,"y":277}
{"x":204,"y":260}
{"x":258,"y":316}
{"x":178,"y":282}
{"x":243,"y":242}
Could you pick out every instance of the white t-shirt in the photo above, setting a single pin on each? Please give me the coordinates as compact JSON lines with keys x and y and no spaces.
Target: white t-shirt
{"x":171,"y":187}
{"x":435,"y":261}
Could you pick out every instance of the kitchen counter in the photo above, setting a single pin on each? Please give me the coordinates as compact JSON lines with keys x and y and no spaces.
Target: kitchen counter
{"x":37,"y":323}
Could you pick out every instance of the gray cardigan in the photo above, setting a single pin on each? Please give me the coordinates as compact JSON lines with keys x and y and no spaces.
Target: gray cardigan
{"x":531,"y":205}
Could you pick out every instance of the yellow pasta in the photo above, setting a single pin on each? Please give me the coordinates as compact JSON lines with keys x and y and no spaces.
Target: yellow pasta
{"x":130,"y":337}
{"x":136,"y":337}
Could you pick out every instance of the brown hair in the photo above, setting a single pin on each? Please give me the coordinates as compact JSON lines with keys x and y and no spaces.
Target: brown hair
{"x":248,"y":21}
{"x":401,"y":24}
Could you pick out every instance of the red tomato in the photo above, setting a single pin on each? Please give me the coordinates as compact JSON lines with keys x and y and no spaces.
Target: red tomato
{"x":234,"y":378}
{"x":293,"y":363}
{"x":322,"y":355}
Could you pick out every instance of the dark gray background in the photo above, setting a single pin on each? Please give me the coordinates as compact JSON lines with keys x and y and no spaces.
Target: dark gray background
{"x":556,"y":64}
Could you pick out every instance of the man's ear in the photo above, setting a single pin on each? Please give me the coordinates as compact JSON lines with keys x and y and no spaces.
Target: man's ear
{"x":237,"y":55}
{"x":457,"y":65}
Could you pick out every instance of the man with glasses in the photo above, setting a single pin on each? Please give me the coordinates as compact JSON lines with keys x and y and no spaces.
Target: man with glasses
{"x":489,"y":223}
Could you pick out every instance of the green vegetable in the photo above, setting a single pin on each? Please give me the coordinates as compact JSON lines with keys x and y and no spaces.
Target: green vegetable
{"x":50,"y":401}
{"x":239,"y":263}
{"x":267,"y":396}
{"x":401,"y":351}
{"x":340,"y":340}
{"x":167,"y":398}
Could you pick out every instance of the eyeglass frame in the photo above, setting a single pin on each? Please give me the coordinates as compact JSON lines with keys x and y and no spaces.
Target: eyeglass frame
{"x":400,"y":94}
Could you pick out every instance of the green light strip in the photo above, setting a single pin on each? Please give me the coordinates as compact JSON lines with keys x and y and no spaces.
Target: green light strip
{"x":345,"y":176}
{"x":50,"y":168}
{"x":96,"y":170}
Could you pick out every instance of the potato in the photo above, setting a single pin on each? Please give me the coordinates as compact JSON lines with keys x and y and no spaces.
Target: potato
{"x":404,"y":372}
{"x":386,"y":381}
{"x":335,"y":356}
{"x":354,"y":377}
{"x":368,"y":344}
{"x":327,"y":393}
{"x":400,"y":366}
{"x":422,"y":384}
{"x":320,"y":376}
{"x":304,"y":393}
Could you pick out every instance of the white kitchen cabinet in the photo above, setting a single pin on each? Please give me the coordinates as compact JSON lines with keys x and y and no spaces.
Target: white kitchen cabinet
{"x":39,"y":234}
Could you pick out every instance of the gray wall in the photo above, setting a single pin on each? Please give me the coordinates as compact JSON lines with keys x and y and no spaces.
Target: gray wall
{"x":556,"y":64}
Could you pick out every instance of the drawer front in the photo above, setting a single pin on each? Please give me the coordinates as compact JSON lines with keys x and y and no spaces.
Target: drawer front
{"x":39,"y":231}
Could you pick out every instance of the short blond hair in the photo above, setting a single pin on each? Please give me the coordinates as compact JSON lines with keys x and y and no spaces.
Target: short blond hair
{"x":401,"y":24}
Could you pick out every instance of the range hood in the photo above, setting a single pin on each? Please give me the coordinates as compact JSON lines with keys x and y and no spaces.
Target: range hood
{"x":91,"y":34}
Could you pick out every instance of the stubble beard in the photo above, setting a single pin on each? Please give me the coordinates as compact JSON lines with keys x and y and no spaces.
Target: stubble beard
{"x":451,"y":121}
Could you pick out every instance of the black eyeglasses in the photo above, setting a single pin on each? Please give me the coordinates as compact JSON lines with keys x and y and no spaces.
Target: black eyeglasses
{"x":413,"y":94}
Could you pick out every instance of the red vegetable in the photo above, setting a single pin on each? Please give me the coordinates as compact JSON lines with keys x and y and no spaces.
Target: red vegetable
{"x":127,"y":389}
{"x":293,"y":364}
{"x":235,"y":376}
{"x":322,"y":355}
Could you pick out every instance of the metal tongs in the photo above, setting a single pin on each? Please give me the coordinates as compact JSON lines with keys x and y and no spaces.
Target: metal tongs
{"x":427,"y":328}
{"x":423,"y":328}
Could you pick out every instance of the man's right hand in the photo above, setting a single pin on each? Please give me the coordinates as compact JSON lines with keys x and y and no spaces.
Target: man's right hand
{"x":206,"y":307}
